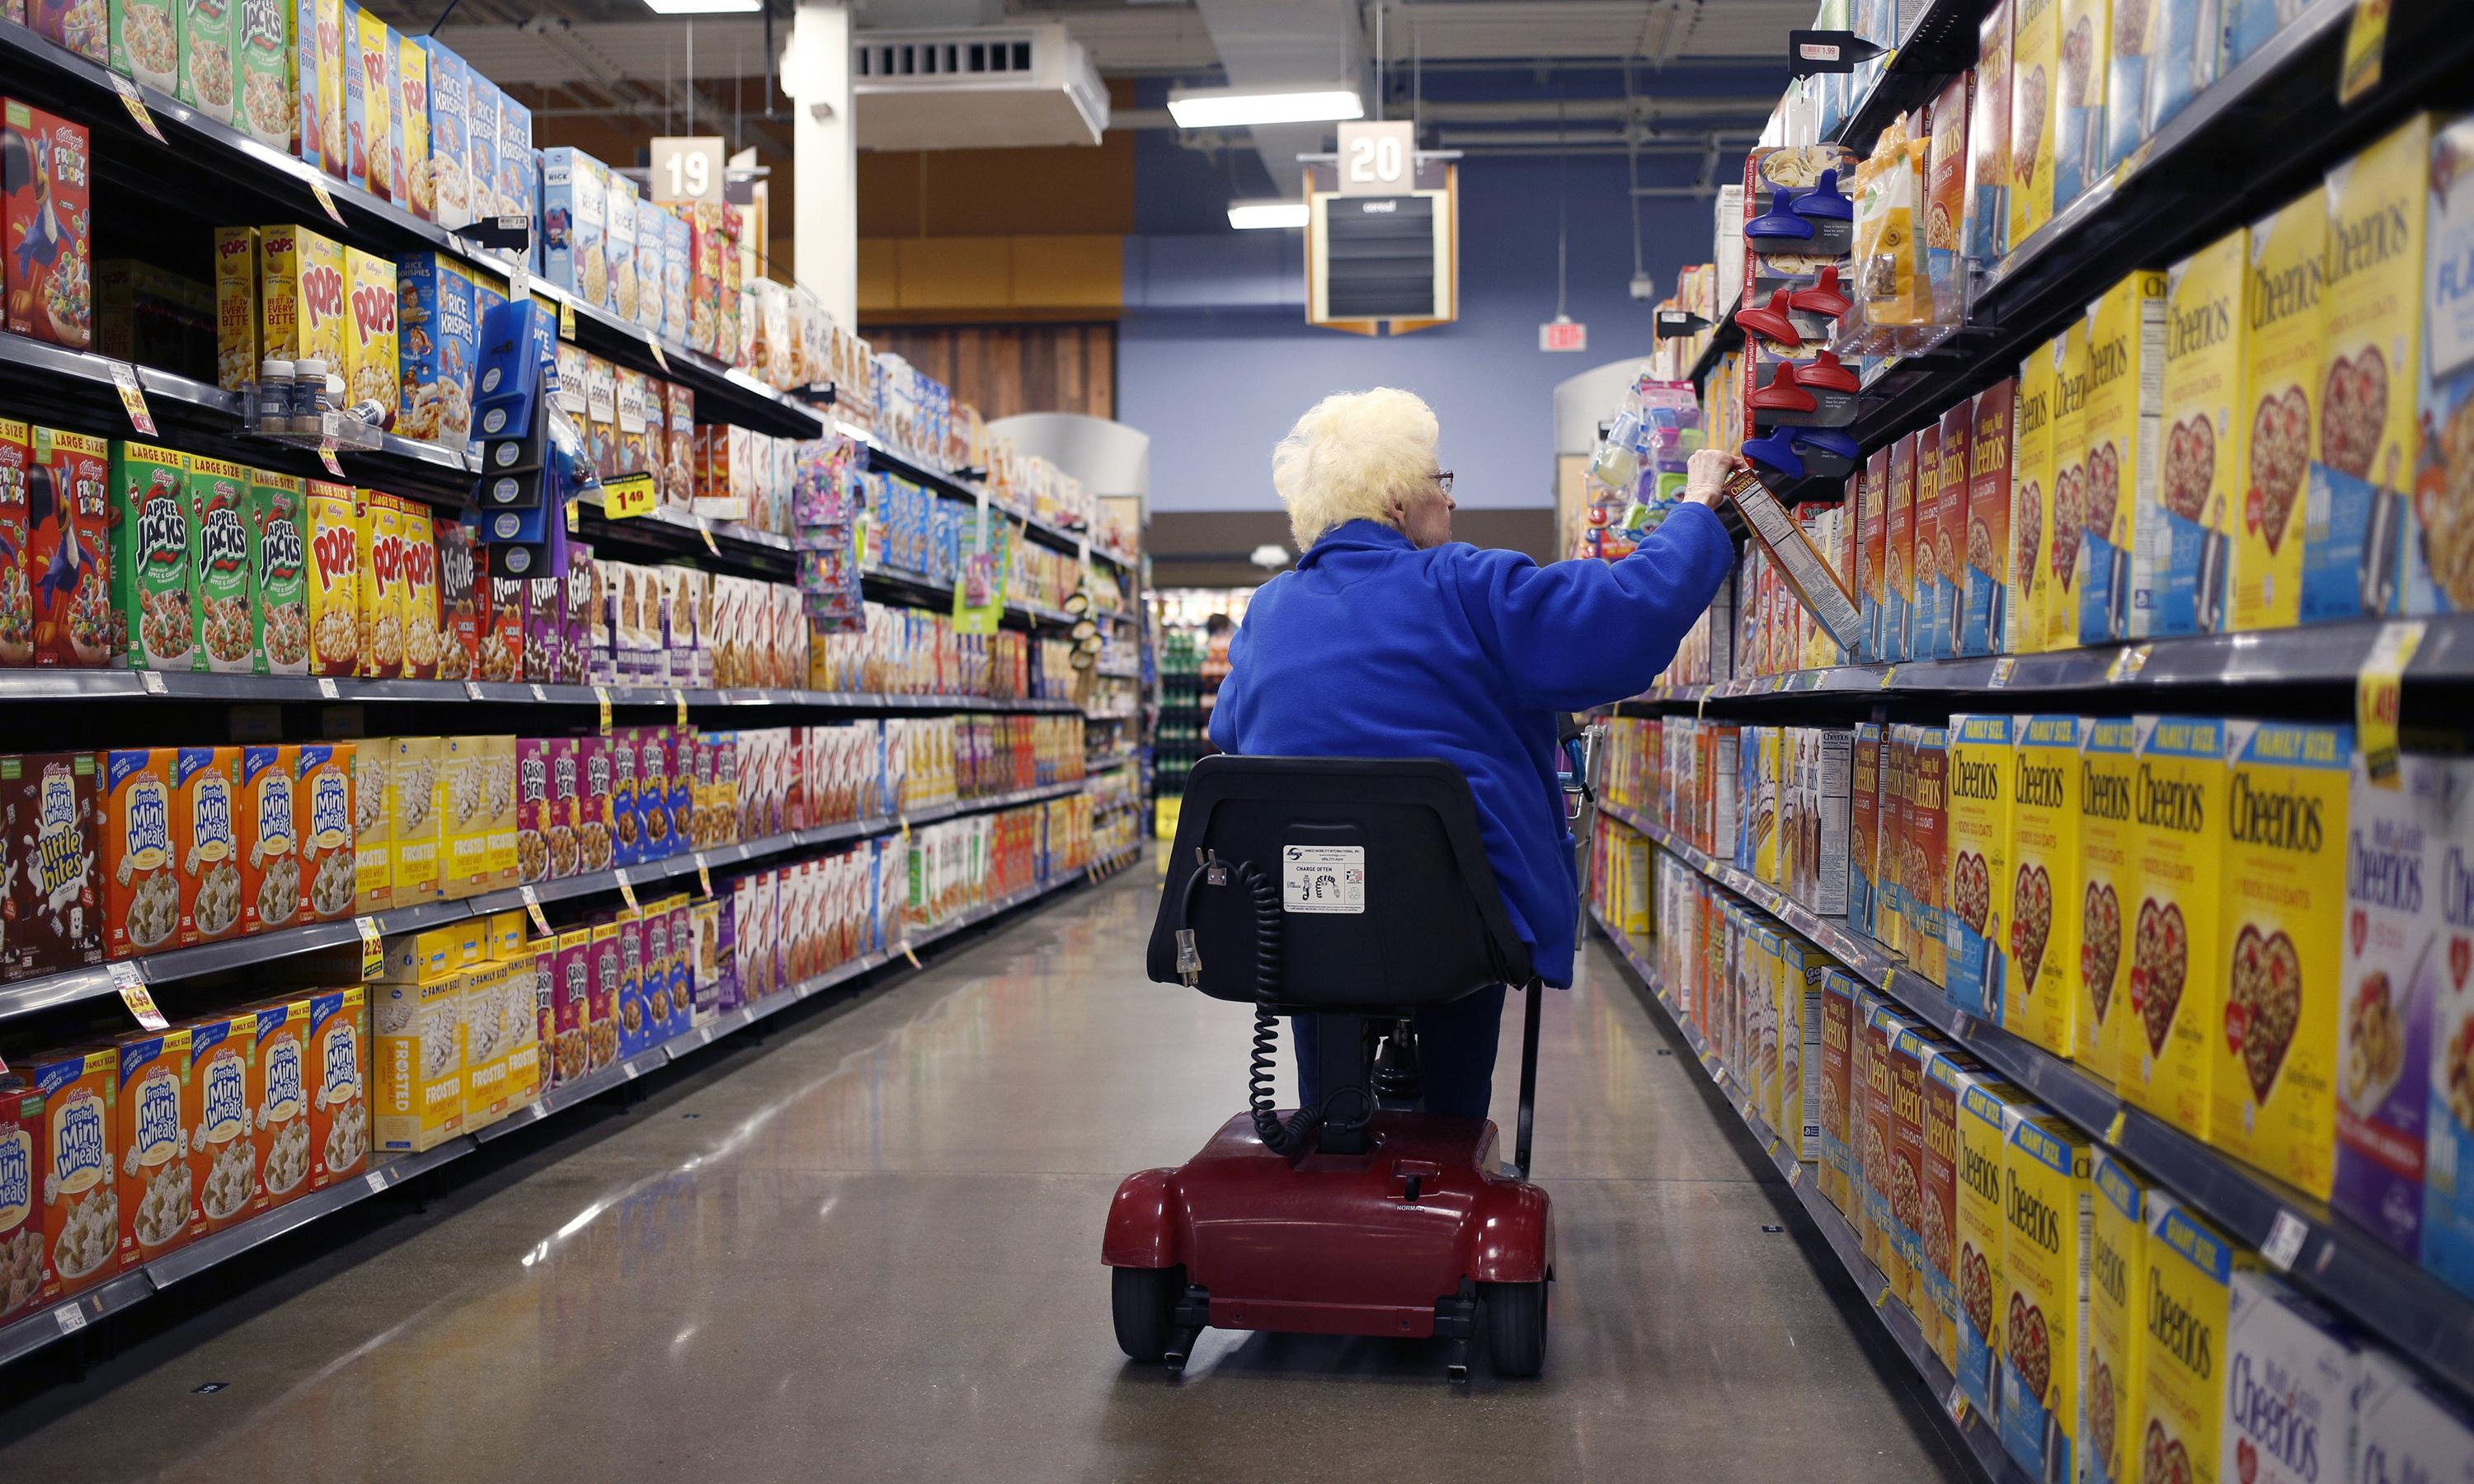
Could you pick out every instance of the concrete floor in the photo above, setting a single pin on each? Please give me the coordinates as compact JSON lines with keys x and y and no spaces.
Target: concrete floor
{"x":868,"y":1248}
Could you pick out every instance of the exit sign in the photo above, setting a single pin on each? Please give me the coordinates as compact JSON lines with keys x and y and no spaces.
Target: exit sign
{"x":1563,"y":335}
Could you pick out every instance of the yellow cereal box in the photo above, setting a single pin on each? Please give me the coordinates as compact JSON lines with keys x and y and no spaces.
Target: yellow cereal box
{"x":1983,"y":1105}
{"x":498,"y":752}
{"x":2035,"y":89}
{"x":418,"y":186}
{"x":419,"y":590}
{"x":2185,"y":523}
{"x":466,"y":870}
{"x":334,"y":580}
{"x":2177,"y":958}
{"x":302,"y":295}
{"x":2108,"y":877}
{"x":2187,"y":1269}
{"x":2066,"y":531}
{"x":2032,"y":503}
{"x":370,"y":373}
{"x":372,"y":826}
{"x":2040,"y":946}
{"x":2125,"y":398}
{"x":2280,"y":939}
{"x":2280,"y":375}
{"x":238,"y":320}
{"x":485,"y":1049}
{"x":1983,"y":752}
{"x":419,"y":1067}
{"x":2370,"y":359}
{"x":2116,"y":1332}
{"x":378,"y":545}
{"x":417,"y":792}
{"x":2047,"y":1207}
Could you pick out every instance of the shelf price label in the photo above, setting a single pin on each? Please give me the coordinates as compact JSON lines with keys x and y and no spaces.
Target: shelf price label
{"x":2367,"y":38}
{"x":704,"y":528}
{"x":626,"y":889}
{"x":137,"y":107}
{"x":134,"y":996}
{"x":373,"y":951}
{"x":326,"y":457}
{"x":628,"y":496}
{"x":653,"y":343}
{"x":133,"y":397}
{"x":680,"y":698}
{"x":69,"y":1318}
{"x":2378,"y":691}
{"x":601,"y":694}
{"x":533,"y":909}
{"x":325,"y":202}
{"x":2284,"y":1244}
{"x":565,"y":320}
{"x":704,"y":874}
{"x":2127,"y":664}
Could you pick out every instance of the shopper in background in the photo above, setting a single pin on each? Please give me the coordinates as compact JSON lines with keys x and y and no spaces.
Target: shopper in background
{"x":1390,"y":640}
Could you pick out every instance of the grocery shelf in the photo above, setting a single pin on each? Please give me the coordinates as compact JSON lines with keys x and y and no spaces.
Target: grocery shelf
{"x":903,"y":466}
{"x":2411,"y":1311}
{"x":908,"y":582}
{"x":33,"y":1332}
{"x":189,"y":685}
{"x":1940,"y":45}
{"x":71,"y":986}
{"x":1980,"y":1443}
{"x":1726,"y":336}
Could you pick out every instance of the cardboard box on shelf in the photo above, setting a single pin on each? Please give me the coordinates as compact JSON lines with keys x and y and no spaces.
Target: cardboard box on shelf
{"x":2281,"y":364}
{"x":157,"y":1112}
{"x":2176,"y":953}
{"x":80,"y":1087}
{"x":227,"y":1139}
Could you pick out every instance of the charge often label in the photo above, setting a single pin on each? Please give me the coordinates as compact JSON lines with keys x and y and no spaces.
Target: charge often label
{"x":1322,"y":878}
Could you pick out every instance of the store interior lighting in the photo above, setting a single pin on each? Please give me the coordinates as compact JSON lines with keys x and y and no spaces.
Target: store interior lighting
{"x":1224,"y":109}
{"x":1260,"y":215}
{"x":701,"y":7}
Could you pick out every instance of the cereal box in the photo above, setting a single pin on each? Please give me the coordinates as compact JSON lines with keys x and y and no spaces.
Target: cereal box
{"x":620,"y":247}
{"x":485,"y":1028}
{"x":25,"y":1263}
{"x":277,"y":1030}
{"x":2038,"y":949}
{"x":1876,"y":1152}
{"x":68,"y":554}
{"x":1863,"y":828}
{"x":498,"y":786}
{"x":2280,"y":934}
{"x":417,"y":788}
{"x":1984,"y":758}
{"x":2078,"y":114}
{"x":520,"y":1003}
{"x":322,"y":788}
{"x":238,"y":320}
{"x":450,"y":146}
{"x":1838,"y":1039}
{"x":2117,"y":1322}
{"x":461,"y":600}
{"x":635,"y":1032}
{"x":371,"y":353}
{"x":1925,"y":624}
{"x":2183,"y":57}
{"x":1981,"y":605}
{"x":158,"y":1200}
{"x":535,"y":816}
{"x":2184,"y":529}
{"x":2439,"y":556}
{"x":53,"y":906}
{"x":464,"y":868}
{"x":2036,"y":75}
{"x":145,"y":43}
{"x":2110,"y":785}
{"x":503,"y":618}
{"x":226,"y":1140}
{"x":2405,"y":1432}
{"x":318,"y":83}
{"x":16,"y":598}
{"x":373,"y":825}
{"x":2179,"y":800}
{"x":1984,"y":1104}
{"x":2250,"y":24}
{"x":2031,"y":484}
{"x":47,"y":259}
{"x":303,"y":296}
{"x":566,"y":964}
{"x":332,"y":569}
{"x":438,"y":344}
{"x":1988,"y":140}
{"x":338,"y":1123}
{"x":2047,"y":1208}
{"x":372,"y":53}
{"x":1871,"y":482}
{"x":154,"y":587}
{"x":1937,"y":1208}
{"x":278,"y":526}
{"x":519,"y":175}
{"x":2066,"y":528}
{"x":219,"y":558}
{"x":141,"y":893}
{"x":594,"y":818}
{"x":602,"y":995}
{"x":2291,"y":1377}
{"x":81,"y":1144}
{"x":268,"y":837}
{"x":419,"y":1062}
{"x":205,"y":840}
{"x":2280,"y":375}
{"x":2120,"y":439}
{"x":1903,"y":1181}
{"x":206,"y":35}
{"x":415,"y":184}
{"x":1927,"y":880}
{"x":379,"y":548}
{"x":417,"y":562}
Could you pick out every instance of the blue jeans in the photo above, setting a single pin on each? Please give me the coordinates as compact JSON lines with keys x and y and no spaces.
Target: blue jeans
{"x":1456,"y":1046}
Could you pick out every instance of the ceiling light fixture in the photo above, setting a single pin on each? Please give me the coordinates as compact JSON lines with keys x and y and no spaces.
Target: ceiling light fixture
{"x":702,"y":7}
{"x":1225,"y":108}
{"x":1258,"y":215}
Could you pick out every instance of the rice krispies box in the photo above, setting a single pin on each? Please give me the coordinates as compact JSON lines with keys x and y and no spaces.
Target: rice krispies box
{"x":2184,"y":535}
{"x":25,"y":1267}
{"x":54,"y":909}
{"x":226,"y":1140}
{"x":2291,"y":1377}
{"x":2392,"y":969}
{"x":438,"y":338}
{"x":2280,"y":378}
{"x":67,"y":557}
{"x":46,"y":265}
{"x":2439,"y":556}
{"x":80,"y":1087}
{"x":155,"y":586}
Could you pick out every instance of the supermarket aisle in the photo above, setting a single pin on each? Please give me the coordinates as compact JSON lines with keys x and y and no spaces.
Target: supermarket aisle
{"x":869,"y":1249}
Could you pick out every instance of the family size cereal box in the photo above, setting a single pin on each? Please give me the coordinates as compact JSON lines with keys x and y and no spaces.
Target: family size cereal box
{"x":334,"y":578}
{"x":438,"y":347}
{"x":219,"y":555}
{"x":2184,"y":535}
{"x":602,"y":995}
{"x":1924,"y":612}
{"x":2370,"y":323}
{"x":80,"y":1178}
{"x":2078,"y":114}
{"x":158,"y":1201}
{"x":142,"y":889}
{"x":2039,"y":947}
{"x":450,"y":140}
{"x":1879,"y":1027}
{"x":69,"y":555}
{"x":1980,"y":608}
{"x":154,"y":587}
{"x":2280,"y":935}
{"x":2036,"y":75}
{"x":339,"y":1128}
{"x":1983,"y":755}
{"x":2280,"y":375}
{"x":417,"y":561}
{"x":1927,"y":885}
{"x":304,"y":294}
{"x":2393,"y":968}
{"x":1937,"y":1208}
{"x":2049,"y":1206}
{"x":238,"y":321}
{"x":322,"y":791}
{"x":17,"y":596}
{"x":1863,"y":832}
{"x":2066,"y":531}
{"x":270,"y":838}
{"x":145,"y":41}
{"x":2121,"y":437}
{"x":419,"y":1071}
{"x":371,"y":50}
{"x":1983,"y":1106}
{"x":279,"y":1029}
{"x":2031,"y":515}
{"x":371,"y":355}
{"x":205,"y":838}
{"x":373,"y":825}
{"x":1988,"y":140}
{"x":226,"y":1141}
{"x":414,"y":184}
{"x":2116,"y":1321}
{"x":485,"y":1044}
{"x":2439,"y":556}
{"x":2405,"y":1432}
{"x":46,"y":265}
{"x":2291,"y":1377}
{"x":2178,"y":806}
{"x":482,"y":104}
{"x":2108,"y":884}
{"x":1839,"y":1131}
{"x":570,"y":1000}
{"x":417,"y":783}
{"x":25,"y":1263}
{"x":277,"y":529}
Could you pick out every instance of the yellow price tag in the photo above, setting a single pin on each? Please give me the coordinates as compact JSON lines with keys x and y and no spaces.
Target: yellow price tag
{"x":133,"y":994}
{"x":653,"y":344}
{"x":326,"y":457}
{"x":2128,"y":663}
{"x":574,"y":522}
{"x":704,"y":528}
{"x":912,"y":957}
{"x":1889,"y":676}
{"x":533,"y":909}
{"x":628,"y":496}
{"x":601,"y":694}
{"x":2002,"y":669}
{"x":906,"y":828}
{"x":681,"y":697}
{"x":325,"y":202}
{"x":2113,"y":1130}
{"x":137,"y":106}
{"x":626,"y":889}
{"x":704,"y":874}
{"x":2367,"y":38}
{"x":2378,"y":691}
{"x":133,"y":398}
{"x":565,"y":320}
{"x":373,"y":951}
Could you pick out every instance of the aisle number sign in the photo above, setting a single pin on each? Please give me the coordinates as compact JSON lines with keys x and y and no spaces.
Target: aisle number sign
{"x":688,"y":168}
{"x":1377,"y":160}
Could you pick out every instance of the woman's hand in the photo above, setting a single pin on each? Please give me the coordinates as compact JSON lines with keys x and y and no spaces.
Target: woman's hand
{"x":1705,"y":476}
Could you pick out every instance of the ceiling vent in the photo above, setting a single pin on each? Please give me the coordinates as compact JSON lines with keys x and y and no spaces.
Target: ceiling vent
{"x":976,"y":89}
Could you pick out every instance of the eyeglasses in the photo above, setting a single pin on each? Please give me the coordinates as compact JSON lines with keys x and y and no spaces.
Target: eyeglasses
{"x":1443,"y":480}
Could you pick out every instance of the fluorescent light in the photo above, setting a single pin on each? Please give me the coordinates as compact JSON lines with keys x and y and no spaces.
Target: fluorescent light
{"x":1255,"y":215}
{"x":1222,"y":109}
{"x":700,"y":6}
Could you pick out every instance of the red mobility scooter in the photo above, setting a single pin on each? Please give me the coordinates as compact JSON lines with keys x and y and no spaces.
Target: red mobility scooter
{"x":1357,"y":892}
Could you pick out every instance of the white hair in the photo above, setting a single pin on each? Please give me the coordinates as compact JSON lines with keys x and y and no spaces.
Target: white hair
{"x":1349,"y":456}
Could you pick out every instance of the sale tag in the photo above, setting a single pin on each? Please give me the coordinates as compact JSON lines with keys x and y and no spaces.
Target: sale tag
{"x":326,"y":457}
{"x":2284,"y":1244}
{"x":601,"y":694}
{"x":704,"y":528}
{"x":704,"y":874}
{"x":533,"y":907}
{"x":373,"y":951}
{"x":325,"y":203}
{"x":653,"y":344}
{"x":681,"y":697}
{"x":2378,"y":690}
{"x":2128,"y":664}
{"x":133,"y":994}
{"x":2367,"y":38}
{"x":137,"y":106}
{"x":2113,"y":1130}
{"x":565,"y":320}
{"x":69,"y":1317}
{"x":1889,"y":676}
{"x":626,"y":889}
{"x":133,"y":397}
{"x":628,"y":496}
{"x":912,"y":957}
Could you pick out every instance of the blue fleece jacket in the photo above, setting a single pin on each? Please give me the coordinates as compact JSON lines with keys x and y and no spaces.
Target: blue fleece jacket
{"x":1371,"y":648}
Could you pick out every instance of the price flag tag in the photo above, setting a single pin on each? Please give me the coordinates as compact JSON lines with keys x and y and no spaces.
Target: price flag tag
{"x":601,"y":694}
{"x":133,"y":994}
{"x":626,"y":889}
{"x":565,"y":320}
{"x":137,"y":107}
{"x":2367,"y":38}
{"x":704,"y":528}
{"x":326,"y":457}
{"x":628,"y":496}
{"x":912,"y":957}
{"x":533,"y":908}
{"x":704,"y":874}
{"x":2378,"y":691}
{"x":373,"y":951}
{"x":653,"y":343}
{"x":133,"y":397}
{"x":574,"y":521}
{"x":325,"y":202}
{"x":378,"y":1182}
{"x":681,"y":698}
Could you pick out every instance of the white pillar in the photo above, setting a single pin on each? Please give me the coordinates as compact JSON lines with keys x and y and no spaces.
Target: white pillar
{"x":816,"y":77}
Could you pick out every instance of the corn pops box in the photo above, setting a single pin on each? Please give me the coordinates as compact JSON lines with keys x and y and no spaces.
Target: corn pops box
{"x":2125,"y":400}
{"x":2184,"y":529}
{"x":372,"y":354}
{"x":2039,"y":948}
{"x":2031,"y":484}
{"x":2280,"y":376}
{"x":1984,"y":1104}
{"x":303,"y":296}
{"x":2109,"y":886}
{"x":379,"y":97}
{"x":417,"y":561}
{"x":2036,"y":81}
{"x":334,"y":578}
{"x":417,"y":182}
{"x":2280,"y":934}
{"x":2176,"y":984}
{"x":2117,"y":1330}
{"x":2049,"y":1206}
{"x":2066,"y":531}
{"x":1983,"y":756}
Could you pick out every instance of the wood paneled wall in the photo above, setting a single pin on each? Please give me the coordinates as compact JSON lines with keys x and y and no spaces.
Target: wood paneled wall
{"x":1006,"y":368}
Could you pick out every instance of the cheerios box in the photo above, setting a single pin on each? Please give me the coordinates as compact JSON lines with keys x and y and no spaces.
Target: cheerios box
{"x":417,"y":844}
{"x":205,"y":838}
{"x":334,"y":579}
{"x":2281,"y":367}
{"x":1910,"y":1048}
{"x":2126,"y":333}
{"x":79,"y":1179}
{"x":2404,"y":1430}
{"x":2184,"y":522}
{"x":2179,"y":797}
{"x":1838,"y":1038}
{"x":2108,"y":895}
{"x":2367,"y":455}
{"x":279,"y":1030}
{"x":2038,"y":940}
{"x":158,"y":1203}
{"x":2188,"y":1271}
{"x":153,"y":585}
{"x":2031,"y":505}
{"x":339,"y":1042}
{"x":2438,"y":538}
{"x":1984,"y":1103}
{"x":1937,"y":1211}
{"x":278,"y":555}
{"x":1925,"y":625}
{"x":2116,"y":1327}
{"x":2292,"y":1375}
{"x":268,"y":837}
{"x":1983,"y":755}
{"x":303,"y":295}
{"x":2048,"y":1203}
{"x":227,"y":1142}
{"x":2448,"y":1193}
{"x":418,"y":1062}
{"x":2065,"y":574}
{"x":2036,"y":61}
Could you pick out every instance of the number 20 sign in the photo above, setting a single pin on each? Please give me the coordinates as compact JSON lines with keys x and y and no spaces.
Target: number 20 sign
{"x":687,"y":169}
{"x":1378,"y":159}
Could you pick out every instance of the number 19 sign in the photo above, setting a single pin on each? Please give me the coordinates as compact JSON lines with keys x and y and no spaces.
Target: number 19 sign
{"x":687,"y":169}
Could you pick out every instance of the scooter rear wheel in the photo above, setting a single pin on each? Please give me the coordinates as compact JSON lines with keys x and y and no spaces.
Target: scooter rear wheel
{"x":1515,"y":1327}
{"x":1143,"y":1303}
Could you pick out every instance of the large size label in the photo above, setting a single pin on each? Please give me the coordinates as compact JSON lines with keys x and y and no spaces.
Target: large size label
{"x":1322,"y":878}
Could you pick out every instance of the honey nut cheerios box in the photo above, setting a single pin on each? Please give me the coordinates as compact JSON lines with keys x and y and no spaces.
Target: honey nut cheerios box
{"x":158,"y":1203}
{"x":2185,"y":522}
{"x":416,"y":1073}
{"x":2188,"y":1273}
{"x":2366,"y":456}
{"x":2108,"y":894}
{"x":2122,"y":438}
{"x":2031,"y":505}
{"x":142,"y":884}
{"x":227,"y":1142}
{"x":80,"y":1181}
{"x":2039,"y":943}
{"x":206,"y":836}
{"x":269,"y":839}
{"x":2438,"y":541}
{"x":1879,"y":1224}
{"x":2066,"y":556}
{"x":280,"y":1027}
{"x":2047,"y":1207}
{"x":2281,"y":927}
{"x":2176,"y":980}
{"x":2280,"y":381}
{"x":2404,"y":1430}
{"x":2292,"y":1375}
{"x":1983,"y":755}
{"x":1946,"y":1070}
{"x":1984,"y":1101}
{"x":331,"y":527}
{"x":339,"y":1044}
{"x":2116,"y":1332}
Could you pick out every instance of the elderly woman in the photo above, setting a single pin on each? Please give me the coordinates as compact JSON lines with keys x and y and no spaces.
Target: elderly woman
{"x":1390,"y":640}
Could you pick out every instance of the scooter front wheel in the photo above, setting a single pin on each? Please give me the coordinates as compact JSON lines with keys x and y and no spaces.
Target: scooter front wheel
{"x":1143,"y":1303}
